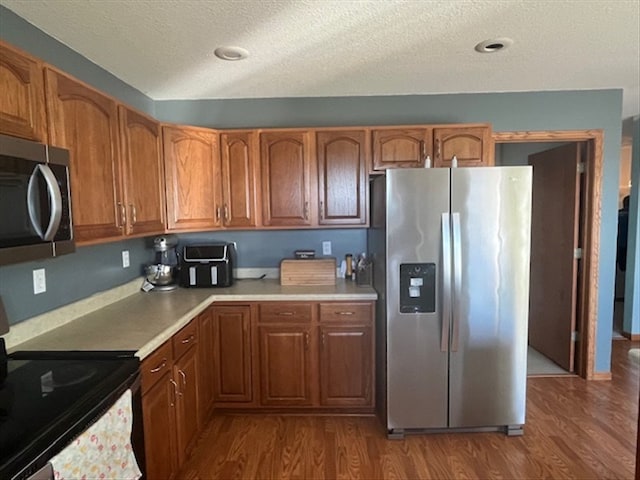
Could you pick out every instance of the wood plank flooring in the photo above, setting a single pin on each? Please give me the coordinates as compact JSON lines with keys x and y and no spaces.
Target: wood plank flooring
{"x":574,"y":429}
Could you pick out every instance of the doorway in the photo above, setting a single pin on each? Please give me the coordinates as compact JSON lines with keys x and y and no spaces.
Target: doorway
{"x":580,"y":283}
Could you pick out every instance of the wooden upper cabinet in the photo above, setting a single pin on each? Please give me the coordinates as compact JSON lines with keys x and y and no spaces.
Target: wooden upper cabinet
{"x":22,"y":106}
{"x":342,"y":180}
{"x":286,"y":178}
{"x":238,"y":154}
{"x":142,"y":171}
{"x":400,"y":148}
{"x":85,"y":122}
{"x":472,"y":146}
{"x":192,"y":172}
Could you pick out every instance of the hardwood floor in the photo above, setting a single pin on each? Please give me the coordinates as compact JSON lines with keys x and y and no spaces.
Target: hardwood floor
{"x":574,"y":429}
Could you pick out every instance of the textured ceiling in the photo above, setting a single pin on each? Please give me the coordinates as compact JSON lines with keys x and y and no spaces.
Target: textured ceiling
{"x":312,"y":48}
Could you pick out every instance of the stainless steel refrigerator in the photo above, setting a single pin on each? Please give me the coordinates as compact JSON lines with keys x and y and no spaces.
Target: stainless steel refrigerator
{"x":451,"y":267}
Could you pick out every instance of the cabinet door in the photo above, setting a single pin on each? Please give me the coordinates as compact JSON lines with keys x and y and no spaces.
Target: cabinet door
{"x":185,"y":374}
{"x":396,"y":148}
{"x":158,"y":412}
{"x":86,"y":122}
{"x":232,"y":354}
{"x":285,"y":162}
{"x":473,"y":147}
{"x":239,"y":176}
{"x":143,"y":172}
{"x":192,"y":173}
{"x":346,"y":366}
{"x":342,"y":183}
{"x":286,"y":370}
{"x":206,"y":365}
{"x":22,"y":110}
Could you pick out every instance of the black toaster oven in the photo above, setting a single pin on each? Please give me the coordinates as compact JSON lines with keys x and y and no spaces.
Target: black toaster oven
{"x":209,"y":265}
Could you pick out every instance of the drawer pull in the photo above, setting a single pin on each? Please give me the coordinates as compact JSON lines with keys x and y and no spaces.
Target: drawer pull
{"x":159,"y":367}
{"x":344,"y":313}
{"x":285,"y":314}
{"x":187,"y":340}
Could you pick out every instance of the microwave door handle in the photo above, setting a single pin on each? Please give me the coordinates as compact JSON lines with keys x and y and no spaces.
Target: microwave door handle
{"x":55,"y":197}
{"x":31,"y":202}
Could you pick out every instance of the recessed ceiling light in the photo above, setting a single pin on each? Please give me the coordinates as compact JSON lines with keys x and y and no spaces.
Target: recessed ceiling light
{"x":493,"y":45}
{"x":231,"y":53}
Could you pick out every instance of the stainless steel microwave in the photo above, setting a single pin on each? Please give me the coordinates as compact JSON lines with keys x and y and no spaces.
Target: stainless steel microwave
{"x":35,"y":201}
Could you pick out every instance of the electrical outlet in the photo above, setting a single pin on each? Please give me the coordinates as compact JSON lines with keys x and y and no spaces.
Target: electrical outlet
{"x":326,"y":248}
{"x":125,"y":259}
{"x":39,"y":281}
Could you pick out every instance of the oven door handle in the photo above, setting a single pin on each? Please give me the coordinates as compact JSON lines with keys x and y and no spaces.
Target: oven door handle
{"x":55,"y":201}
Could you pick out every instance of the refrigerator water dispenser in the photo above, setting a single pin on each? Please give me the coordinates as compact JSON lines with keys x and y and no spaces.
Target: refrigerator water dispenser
{"x":417,"y":287}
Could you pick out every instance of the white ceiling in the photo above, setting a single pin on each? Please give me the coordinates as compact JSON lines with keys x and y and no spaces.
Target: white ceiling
{"x":312,"y":48}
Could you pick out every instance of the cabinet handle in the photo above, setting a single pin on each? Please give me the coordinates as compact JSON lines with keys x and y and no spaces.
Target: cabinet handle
{"x":134,"y":214}
{"x":159,"y":367}
{"x":423,"y":148}
{"x":438,"y":152}
{"x":285,"y":314}
{"x":184,"y":379}
{"x":306,"y":210}
{"x":306,"y":340}
{"x":218,"y":213}
{"x":184,"y":341}
{"x":344,"y":313}
{"x":322,"y":339}
{"x":123,"y":215}
{"x":321,"y":210}
{"x":175,"y":392}
{"x":226,"y":213}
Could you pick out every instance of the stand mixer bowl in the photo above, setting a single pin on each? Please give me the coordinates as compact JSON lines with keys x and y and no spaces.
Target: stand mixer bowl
{"x":159,"y":274}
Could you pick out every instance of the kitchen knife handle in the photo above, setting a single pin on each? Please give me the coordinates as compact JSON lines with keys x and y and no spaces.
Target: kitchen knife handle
{"x":446,"y":282}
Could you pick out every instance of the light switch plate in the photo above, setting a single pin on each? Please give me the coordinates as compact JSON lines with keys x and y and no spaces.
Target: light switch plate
{"x":39,"y":281}
{"x":326,"y":248}
{"x":125,"y":259}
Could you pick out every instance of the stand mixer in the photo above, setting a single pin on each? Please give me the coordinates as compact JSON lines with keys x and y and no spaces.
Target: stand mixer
{"x":163,"y":274}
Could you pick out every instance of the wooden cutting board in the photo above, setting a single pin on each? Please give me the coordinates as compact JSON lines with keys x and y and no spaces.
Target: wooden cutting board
{"x":311,"y":271}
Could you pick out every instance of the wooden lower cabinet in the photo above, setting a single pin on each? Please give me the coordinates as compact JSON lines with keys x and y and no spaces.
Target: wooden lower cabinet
{"x":170,"y":403}
{"x":286,"y":366}
{"x":232,"y":360}
{"x":206,"y":373}
{"x":346,"y":364}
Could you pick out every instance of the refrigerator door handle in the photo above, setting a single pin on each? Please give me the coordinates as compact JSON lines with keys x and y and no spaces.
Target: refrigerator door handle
{"x":446,"y":282}
{"x":457,"y":280}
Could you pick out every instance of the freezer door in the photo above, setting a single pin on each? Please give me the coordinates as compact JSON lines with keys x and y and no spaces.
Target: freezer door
{"x":491,"y":218}
{"x":416,"y":364}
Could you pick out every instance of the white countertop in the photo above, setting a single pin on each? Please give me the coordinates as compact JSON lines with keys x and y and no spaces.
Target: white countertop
{"x":143,"y":321}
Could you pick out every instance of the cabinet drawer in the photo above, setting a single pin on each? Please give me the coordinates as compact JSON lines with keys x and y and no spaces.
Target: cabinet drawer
{"x":185,"y":339}
{"x":286,"y":312}
{"x":345,"y":312}
{"x":156,"y":365}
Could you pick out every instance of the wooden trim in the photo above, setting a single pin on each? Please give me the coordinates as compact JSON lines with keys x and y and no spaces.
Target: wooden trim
{"x":634,"y":337}
{"x":590,"y":236}
{"x":599,"y":376}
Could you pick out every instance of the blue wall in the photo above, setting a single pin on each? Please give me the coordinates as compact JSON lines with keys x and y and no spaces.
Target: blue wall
{"x":570,"y":110}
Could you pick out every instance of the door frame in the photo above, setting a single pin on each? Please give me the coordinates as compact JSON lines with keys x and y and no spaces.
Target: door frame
{"x":590,"y":236}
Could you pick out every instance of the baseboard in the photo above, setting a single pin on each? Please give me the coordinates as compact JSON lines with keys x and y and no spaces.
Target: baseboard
{"x":634,"y":337}
{"x":601,"y":376}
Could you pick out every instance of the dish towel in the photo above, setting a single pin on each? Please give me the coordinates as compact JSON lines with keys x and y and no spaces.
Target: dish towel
{"x":104,"y":450}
